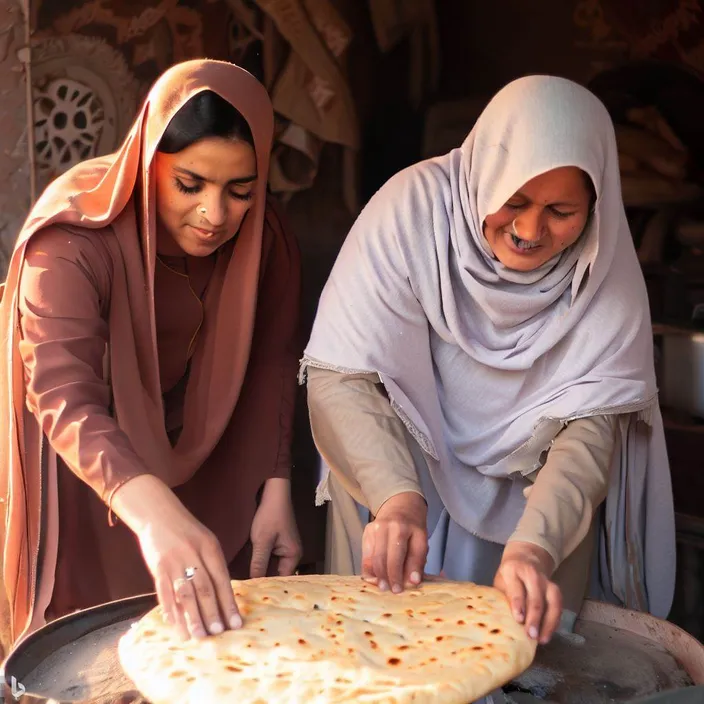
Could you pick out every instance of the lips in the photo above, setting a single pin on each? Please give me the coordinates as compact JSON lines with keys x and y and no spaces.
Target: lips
{"x":209,"y":234}
{"x":518,"y":245}
{"x":524,"y":244}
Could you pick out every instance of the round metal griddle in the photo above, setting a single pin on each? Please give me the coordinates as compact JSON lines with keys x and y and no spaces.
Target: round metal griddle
{"x":74,"y":659}
{"x":615,"y":656}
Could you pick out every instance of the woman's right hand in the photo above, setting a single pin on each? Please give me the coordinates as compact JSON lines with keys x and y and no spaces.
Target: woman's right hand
{"x":172,"y":540}
{"x":395,"y":543}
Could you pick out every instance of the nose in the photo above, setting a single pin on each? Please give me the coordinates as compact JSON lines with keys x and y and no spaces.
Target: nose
{"x":529,"y":225}
{"x":215,"y":209}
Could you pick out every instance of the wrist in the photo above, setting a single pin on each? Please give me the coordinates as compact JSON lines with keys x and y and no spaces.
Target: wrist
{"x":140,"y":501}
{"x":404,"y":502}
{"x":529,"y":552}
{"x":277,"y":488}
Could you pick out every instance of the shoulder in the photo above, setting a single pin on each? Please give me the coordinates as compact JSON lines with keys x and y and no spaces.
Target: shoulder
{"x":423,"y":184}
{"x":402,"y":219}
{"x":71,"y":250}
{"x":410,"y":206}
{"x":69,"y":242}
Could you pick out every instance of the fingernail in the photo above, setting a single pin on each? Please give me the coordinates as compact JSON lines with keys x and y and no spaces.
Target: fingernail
{"x":216,"y":627}
{"x":396,"y":589}
{"x":415,"y":577}
{"x":544,"y":641}
{"x":533,"y":632}
{"x":519,"y":616}
{"x":383,"y":585}
{"x":235,"y":621}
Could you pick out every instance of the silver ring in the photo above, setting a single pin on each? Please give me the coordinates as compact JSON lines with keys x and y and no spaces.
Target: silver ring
{"x":189,"y":573}
{"x":513,"y":226}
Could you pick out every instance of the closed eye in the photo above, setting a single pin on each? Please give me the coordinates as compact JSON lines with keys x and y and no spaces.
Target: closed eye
{"x":242,"y":196}
{"x":189,"y":190}
{"x":560,"y":213}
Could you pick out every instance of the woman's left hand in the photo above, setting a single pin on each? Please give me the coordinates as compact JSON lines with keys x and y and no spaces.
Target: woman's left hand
{"x":524,"y":577}
{"x":274,"y":530}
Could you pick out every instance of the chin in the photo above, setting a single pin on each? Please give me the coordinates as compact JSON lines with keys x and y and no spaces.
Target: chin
{"x":519,"y":263}
{"x":199,"y":248}
{"x":203,"y":251}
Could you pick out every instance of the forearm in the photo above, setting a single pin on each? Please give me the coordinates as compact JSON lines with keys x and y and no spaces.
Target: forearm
{"x":569,"y":488}
{"x":360,"y":436}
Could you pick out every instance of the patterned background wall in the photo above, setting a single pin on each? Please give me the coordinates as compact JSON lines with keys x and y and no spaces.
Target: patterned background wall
{"x":93,"y":60}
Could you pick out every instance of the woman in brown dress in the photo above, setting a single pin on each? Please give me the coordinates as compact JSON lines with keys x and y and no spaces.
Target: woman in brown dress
{"x":149,"y":319}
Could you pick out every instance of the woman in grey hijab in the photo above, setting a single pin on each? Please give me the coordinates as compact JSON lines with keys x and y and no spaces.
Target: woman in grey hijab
{"x":481,"y":372}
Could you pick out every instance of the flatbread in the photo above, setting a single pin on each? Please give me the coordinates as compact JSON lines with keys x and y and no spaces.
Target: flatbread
{"x":324,"y":638}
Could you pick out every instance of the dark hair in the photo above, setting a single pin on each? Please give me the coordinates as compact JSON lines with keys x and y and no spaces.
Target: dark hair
{"x":206,"y":114}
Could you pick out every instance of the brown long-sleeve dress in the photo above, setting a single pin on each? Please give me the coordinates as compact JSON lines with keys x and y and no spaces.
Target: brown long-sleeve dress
{"x":65,"y":298}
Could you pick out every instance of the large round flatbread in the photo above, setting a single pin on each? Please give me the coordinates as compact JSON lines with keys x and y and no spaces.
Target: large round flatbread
{"x":323,"y":638}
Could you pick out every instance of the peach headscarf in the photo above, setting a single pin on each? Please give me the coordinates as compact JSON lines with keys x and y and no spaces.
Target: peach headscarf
{"x":101,"y":193}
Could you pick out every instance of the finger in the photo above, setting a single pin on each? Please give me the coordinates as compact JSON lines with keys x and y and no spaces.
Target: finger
{"x":416,"y":557}
{"x":368,"y":540}
{"x":288,"y":564}
{"x":396,"y":551}
{"x":214,"y":563}
{"x":172,"y":613}
{"x":185,"y":595}
{"x":553,"y":612}
{"x":261,"y":553}
{"x":508,"y":582}
{"x":207,"y":601}
{"x":535,"y":600}
{"x":379,"y":558}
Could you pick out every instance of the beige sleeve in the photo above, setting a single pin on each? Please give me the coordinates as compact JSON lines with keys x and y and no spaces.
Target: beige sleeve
{"x":360,"y":436}
{"x":569,"y":488}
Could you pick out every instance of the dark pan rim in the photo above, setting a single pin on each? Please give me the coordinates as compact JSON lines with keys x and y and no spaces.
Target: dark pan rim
{"x":32,"y":650}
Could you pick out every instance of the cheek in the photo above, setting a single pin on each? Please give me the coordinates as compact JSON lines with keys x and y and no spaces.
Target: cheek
{"x":568,"y":233}
{"x":171,"y":204}
{"x":236,"y":212}
{"x":496,"y":221}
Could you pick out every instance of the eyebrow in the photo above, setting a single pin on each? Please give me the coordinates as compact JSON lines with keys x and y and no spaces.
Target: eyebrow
{"x":197,"y":177}
{"x":565,"y":203}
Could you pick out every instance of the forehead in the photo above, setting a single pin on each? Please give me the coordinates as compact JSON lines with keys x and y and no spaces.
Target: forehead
{"x":215,"y":159}
{"x":564,"y":183}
